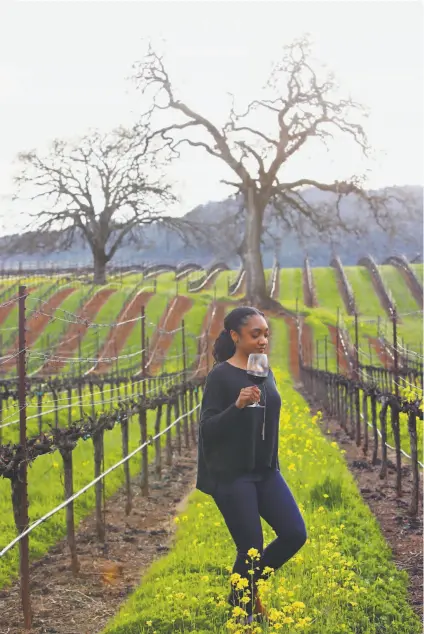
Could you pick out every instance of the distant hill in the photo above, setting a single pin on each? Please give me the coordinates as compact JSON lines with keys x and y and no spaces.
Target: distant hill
{"x":162,"y":245}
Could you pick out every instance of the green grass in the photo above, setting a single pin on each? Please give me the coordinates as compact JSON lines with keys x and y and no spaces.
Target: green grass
{"x":220,"y":284}
{"x":326,"y":288}
{"x":343,"y":579}
{"x":367,"y":301}
{"x":291,"y":288}
{"x":418,"y":270}
{"x":410,"y":333}
{"x":45,"y":491}
{"x":369,"y":594}
{"x":396,"y":284}
{"x":279,"y":356}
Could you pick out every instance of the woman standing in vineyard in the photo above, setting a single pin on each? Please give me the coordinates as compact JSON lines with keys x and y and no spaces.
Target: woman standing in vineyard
{"x":238,"y":456}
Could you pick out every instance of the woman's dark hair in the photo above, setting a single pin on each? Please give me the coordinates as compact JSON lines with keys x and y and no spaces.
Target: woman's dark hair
{"x":224,"y":346}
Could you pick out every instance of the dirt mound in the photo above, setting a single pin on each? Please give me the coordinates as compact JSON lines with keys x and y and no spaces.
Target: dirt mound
{"x":212,"y":326}
{"x":37,"y":322}
{"x":385,"y":358}
{"x":69,"y":344}
{"x":164,"y":335}
{"x":117,"y":336}
{"x":340,"y":351}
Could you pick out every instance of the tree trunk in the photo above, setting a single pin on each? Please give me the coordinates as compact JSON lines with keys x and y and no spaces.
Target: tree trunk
{"x":100,"y":262}
{"x":256,"y":291}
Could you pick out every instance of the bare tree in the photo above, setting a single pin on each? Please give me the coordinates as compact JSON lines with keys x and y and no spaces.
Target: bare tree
{"x":102,"y":188}
{"x":257,"y":143}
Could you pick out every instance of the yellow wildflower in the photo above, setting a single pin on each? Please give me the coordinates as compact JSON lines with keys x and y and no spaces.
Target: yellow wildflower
{"x":253,"y":553}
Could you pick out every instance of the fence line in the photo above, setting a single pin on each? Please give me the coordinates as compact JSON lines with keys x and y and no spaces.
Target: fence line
{"x":76,"y":495}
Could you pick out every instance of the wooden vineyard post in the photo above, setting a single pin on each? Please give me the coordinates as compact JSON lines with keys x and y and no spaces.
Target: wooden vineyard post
{"x":98,"y":460}
{"x":126,"y":465}
{"x":142,"y":415}
{"x":394,"y":420}
{"x":168,"y":434}
{"x":365,"y":418}
{"x":69,"y":406}
{"x":20,"y":482}
{"x":80,"y":378}
{"x":56,"y":408}
{"x":102,"y":395}
{"x":383,"y":426}
{"x":158,"y":463}
{"x":374,"y":427}
{"x":412,"y":429}
{"x":142,"y":419}
{"x":66,"y":453}
{"x":395,"y":408}
{"x":356,"y":388}
{"x":184,"y":391}
{"x":178,"y":425}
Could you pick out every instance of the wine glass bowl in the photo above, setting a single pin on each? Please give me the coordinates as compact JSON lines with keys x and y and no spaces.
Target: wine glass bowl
{"x":257,"y":370}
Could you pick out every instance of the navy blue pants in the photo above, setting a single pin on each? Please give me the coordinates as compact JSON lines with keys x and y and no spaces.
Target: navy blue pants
{"x":242,"y":504}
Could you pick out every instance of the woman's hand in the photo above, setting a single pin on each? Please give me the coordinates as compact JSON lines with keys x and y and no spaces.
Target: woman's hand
{"x":248,"y":396}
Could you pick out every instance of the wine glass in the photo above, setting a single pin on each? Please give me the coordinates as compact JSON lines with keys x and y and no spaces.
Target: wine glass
{"x":258,"y":370}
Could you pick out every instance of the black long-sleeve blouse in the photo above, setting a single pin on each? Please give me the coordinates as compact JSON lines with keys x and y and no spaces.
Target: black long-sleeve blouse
{"x":236,"y":442}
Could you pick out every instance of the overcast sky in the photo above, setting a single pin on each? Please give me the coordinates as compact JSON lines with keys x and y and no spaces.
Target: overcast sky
{"x":63,"y":67}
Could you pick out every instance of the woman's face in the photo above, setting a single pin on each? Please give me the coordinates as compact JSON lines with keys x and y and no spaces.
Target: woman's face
{"x":253,"y":337}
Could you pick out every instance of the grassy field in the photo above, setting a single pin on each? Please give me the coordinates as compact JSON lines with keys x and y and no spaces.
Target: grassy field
{"x":418,"y":270}
{"x":43,"y":472}
{"x":45,"y":478}
{"x":327,"y":291}
{"x":367,"y":301}
{"x":396,"y":285}
{"x":342,"y":581}
{"x":291,"y":288}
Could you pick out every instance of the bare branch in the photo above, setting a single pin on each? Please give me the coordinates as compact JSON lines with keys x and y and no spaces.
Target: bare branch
{"x":104,"y":185}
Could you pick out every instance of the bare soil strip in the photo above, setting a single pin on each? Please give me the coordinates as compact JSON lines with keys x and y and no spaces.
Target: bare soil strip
{"x":170,"y":321}
{"x":37,"y":322}
{"x":117,"y":336}
{"x":75,"y":332}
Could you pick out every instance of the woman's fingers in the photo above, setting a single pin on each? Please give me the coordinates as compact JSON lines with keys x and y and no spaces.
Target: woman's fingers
{"x":252,"y":393}
{"x":248,"y":396}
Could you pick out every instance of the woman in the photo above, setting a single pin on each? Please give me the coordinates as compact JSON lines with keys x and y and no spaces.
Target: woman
{"x":238,"y":454}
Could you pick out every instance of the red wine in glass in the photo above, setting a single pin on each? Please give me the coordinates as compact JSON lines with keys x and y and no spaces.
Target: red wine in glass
{"x":257,"y":370}
{"x":257,"y":378}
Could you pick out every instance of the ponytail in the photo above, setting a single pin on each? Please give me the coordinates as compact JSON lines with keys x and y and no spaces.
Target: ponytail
{"x":224,"y":347}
